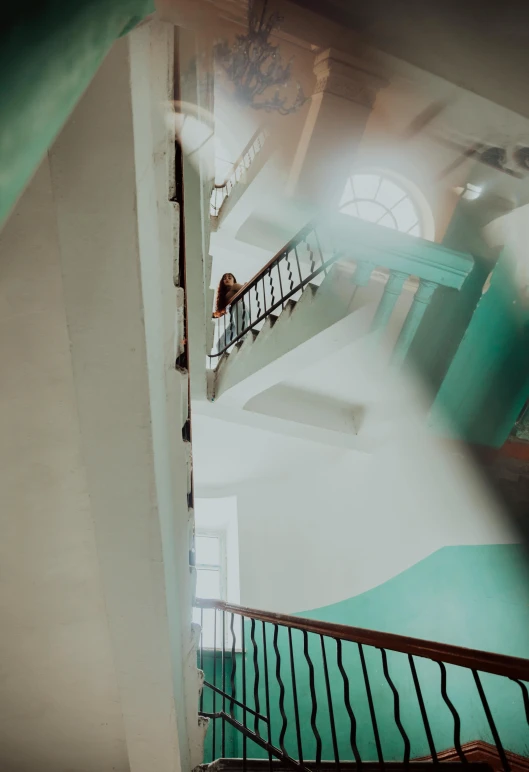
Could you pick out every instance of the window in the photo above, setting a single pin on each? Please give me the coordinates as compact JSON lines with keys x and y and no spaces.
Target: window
{"x":210,"y":551}
{"x":211,"y":564}
{"x":217,"y":565}
{"x":381,"y":200}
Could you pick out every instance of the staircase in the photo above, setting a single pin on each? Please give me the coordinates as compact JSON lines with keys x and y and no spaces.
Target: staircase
{"x":330,"y":271}
{"x":284,"y":692}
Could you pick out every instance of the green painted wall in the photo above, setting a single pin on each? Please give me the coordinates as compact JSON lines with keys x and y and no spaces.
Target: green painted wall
{"x":49,"y":52}
{"x":487,"y":383}
{"x":444,"y":324}
{"x":212,"y":704}
{"x":471,"y":596}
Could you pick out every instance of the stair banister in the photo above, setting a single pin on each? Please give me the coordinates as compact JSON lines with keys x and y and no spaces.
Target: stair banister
{"x":339,"y":237}
{"x":298,"y":667}
{"x":487,"y":662}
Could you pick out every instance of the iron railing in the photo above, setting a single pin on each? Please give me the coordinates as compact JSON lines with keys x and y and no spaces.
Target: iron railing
{"x":224,"y":190}
{"x":284,"y":277}
{"x":308,"y":258}
{"x":313,"y":694}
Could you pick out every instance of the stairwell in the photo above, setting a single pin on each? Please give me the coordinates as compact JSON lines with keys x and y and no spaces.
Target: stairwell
{"x":342,"y":271}
{"x":287,"y":692}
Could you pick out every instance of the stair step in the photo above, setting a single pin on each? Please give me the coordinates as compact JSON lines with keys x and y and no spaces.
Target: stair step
{"x":263,"y":765}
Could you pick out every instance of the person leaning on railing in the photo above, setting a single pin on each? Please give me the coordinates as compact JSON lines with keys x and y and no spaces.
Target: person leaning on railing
{"x":227,"y":289}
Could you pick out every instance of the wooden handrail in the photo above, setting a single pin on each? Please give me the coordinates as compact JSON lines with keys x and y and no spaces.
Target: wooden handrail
{"x":261,"y":272}
{"x":381,"y":247}
{"x":473,"y":659}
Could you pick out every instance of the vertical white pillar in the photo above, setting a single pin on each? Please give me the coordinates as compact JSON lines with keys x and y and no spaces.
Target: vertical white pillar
{"x":111,"y":171}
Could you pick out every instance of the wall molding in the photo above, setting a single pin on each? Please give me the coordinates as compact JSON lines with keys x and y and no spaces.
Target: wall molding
{"x":478,"y":751}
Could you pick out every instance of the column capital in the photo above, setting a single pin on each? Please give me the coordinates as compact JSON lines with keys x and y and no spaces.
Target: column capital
{"x":346,"y":76}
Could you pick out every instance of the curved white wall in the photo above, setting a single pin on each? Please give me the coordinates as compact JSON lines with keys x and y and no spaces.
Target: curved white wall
{"x":336,"y":529}
{"x":59,"y":705}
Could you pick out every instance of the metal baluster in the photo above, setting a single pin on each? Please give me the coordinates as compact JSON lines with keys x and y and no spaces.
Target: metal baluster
{"x":347,"y":702}
{"x":371,"y":704}
{"x":281,"y":693}
{"x":243,"y":326}
{"x":202,"y":654}
{"x":280,"y":281}
{"x":299,"y":267}
{"x":236,"y":331}
{"x":271,"y":282}
{"x":321,"y":253}
{"x":396,"y":707}
{"x":267,"y":696}
{"x":418,"y":308}
{"x":249,"y":308}
{"x":311,"y":256}
{"x":233,"y":665}
{"x":264,"y":296}
{"x":455,"y":714}
{"x":492,"y":725}
{"x":329,"y":700}
{"x":312,"y":688}
{"x":257,"y":301}
{"x":289,"y":269}
{"x":422,"y":707}
{"x":231,"y":327}
{"x":223,"y":749}
{"x":244,"y":738}
{"x":525,"y":696}
{"x":295,"y":696}
{"x":255,"y":677}
{"x":214,"y":738}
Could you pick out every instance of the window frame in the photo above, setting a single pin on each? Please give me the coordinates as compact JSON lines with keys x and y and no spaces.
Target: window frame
{"x":413,"y":191}
{"x":222,"y":566}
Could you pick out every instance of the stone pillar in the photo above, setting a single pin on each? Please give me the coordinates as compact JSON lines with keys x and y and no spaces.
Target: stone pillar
{"x":342,"y":101}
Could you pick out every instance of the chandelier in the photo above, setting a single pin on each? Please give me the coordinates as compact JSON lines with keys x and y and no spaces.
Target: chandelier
{"x":255,"y":67}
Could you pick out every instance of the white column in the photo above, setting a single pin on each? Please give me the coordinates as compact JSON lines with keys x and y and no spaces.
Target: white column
{"x":111,"y":171}
{"x":342,"y":101}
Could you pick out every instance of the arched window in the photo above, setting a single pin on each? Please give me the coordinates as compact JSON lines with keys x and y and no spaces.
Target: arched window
{"x":380,"y":199}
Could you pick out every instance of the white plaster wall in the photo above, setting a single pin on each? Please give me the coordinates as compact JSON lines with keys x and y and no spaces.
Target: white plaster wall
{"x":337,"y":528}
{"x":94,"y":581}
{"x":112,"y":197}
{"x":322,"y":524}
{"x":59,"y":703}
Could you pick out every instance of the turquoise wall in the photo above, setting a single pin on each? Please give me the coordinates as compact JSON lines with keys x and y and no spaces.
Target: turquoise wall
{"x":49,"y":52}
{"x":473,"y":596}
{"x":213,"y":704}
{"x":487,"y":383}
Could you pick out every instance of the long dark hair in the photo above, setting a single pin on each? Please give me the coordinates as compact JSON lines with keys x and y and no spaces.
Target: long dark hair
{"x":222,"y":290}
